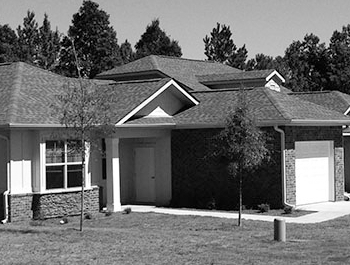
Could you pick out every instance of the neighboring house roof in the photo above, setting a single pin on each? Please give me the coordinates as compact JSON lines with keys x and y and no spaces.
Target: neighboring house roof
{"x":333,"y":100}
{"x":182,"y":70}
{"x":269,"y":108}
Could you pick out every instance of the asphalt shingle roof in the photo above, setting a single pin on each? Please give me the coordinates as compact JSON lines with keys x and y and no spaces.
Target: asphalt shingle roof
{"x":27,"y":92}
{"x":182,"y":70}
{"x":334,"y":100}
{"x":268,"y":107}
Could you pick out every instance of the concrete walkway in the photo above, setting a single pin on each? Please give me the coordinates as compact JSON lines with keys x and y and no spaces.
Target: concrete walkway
{"x":324,"y":212}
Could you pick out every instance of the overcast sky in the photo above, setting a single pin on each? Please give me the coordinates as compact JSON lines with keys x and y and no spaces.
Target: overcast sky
{"x":264,"y":26}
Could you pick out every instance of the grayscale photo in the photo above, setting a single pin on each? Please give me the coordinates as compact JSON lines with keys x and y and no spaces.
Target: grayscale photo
{"x":174,"y":132}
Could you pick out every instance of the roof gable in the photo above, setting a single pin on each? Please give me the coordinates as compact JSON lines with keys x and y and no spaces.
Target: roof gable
{"x":170,"y":98}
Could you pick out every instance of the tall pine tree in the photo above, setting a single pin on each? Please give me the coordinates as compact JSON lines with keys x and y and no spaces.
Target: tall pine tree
{"x":28,"y":39}
{"x":95,"y":42}
{"x":339,"y":60}
{"x":49,"y":45}
{"x":219,"y":47}
{"x":155,"y":41}
{"x":8,"y":44}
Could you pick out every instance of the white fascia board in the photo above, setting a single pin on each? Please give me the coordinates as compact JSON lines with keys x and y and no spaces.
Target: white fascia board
{"x":153,"y":125}
{"x":277,"y":74}
{"x":152,"y":97}
{"x":23,"y":125}
{"x":320,"y":122}
{"x":347,"y":111}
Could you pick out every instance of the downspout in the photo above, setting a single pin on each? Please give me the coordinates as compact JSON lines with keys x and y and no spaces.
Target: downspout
{"x":283,"y":171}
{"x":7,"y":192}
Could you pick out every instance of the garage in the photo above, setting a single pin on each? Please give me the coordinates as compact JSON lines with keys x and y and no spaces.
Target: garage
{"x":314,"y":172}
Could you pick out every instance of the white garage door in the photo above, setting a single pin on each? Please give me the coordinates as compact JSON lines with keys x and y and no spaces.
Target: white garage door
{"x":314,"y":172}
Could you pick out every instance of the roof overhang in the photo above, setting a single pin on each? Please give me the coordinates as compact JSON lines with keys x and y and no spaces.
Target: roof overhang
{"x":319,"y":122}
{"x":131,"y":74}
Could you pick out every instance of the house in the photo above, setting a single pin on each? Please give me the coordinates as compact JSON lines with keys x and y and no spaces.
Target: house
{"x":167,"y":111}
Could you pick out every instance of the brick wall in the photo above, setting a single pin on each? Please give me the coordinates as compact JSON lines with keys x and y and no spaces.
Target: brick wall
{"x":199,"y":179}
{"x":307,"y":133}
{"x":41,"y":206}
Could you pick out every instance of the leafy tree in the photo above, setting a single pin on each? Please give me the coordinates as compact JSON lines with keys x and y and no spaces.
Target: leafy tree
{"x":49,"y":45}
{"x":28,"y":39}
{"x":307,"y":61}
{"x":339,"y":59}
{"x":219,"y":47}
{"x":84,"y":109}
{"x":155,"y":41}
{"x":95,"y":41}
{"x":126,"y":53}
{"x":242,"y":143}
{"x":8,"y":44}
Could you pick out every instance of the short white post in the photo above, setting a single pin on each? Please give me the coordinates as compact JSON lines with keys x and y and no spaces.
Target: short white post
{"x":279,"y":230}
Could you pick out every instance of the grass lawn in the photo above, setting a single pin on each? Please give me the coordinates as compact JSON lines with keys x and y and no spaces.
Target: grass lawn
{"x":148,"y":238}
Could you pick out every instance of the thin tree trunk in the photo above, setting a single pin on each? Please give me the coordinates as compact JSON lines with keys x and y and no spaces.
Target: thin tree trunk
{"x":82,"y":184}
{"x":240,"y":199}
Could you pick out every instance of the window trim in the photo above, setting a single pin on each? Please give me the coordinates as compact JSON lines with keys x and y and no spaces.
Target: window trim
{"x":43,"y":165}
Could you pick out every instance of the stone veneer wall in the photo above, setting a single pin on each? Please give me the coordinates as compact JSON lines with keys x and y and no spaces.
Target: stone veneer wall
{"x":200,"y":180}
{"x":307,"y":133}
{"x":42,"y":206}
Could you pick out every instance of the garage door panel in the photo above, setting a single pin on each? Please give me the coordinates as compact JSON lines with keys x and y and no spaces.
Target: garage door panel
{"x":313,"y":171}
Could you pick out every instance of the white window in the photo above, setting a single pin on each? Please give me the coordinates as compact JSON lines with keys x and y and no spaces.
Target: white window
{"x":63,"y":164}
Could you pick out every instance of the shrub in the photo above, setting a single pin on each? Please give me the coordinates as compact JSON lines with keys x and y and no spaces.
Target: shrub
{"x":127,"y":210}
{"x":288,"y":209}
{"x":264,"y":207}
{"x":108,"y":213}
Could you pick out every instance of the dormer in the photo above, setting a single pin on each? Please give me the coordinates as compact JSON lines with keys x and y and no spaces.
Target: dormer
{"x":258,"y":78}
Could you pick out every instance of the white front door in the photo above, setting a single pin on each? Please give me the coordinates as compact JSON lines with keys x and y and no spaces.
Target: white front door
{"x":145,"y":174}
{"x":314,"y":172}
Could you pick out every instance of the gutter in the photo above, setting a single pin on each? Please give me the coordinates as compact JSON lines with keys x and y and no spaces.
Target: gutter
{"x":7,"y":192}
{"x":283,"y":172}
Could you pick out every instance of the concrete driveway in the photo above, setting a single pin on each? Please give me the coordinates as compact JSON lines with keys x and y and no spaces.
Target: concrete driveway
{"x":324,"y":212}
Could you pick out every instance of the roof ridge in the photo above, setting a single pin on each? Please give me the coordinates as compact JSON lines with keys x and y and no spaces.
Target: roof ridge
{"x":155,"y":62}
{"x":270,"y":95}
{"x":189,"y":59}
{"x":16,"y":87}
